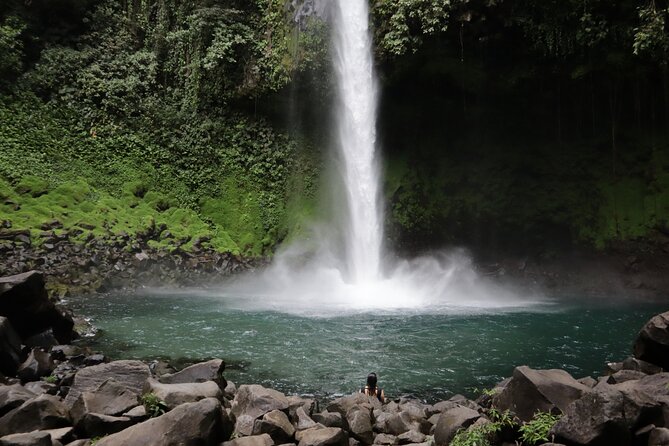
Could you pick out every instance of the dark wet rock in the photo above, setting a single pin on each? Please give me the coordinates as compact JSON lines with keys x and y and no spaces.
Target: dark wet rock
{"x":652,"y":342}
{"x":198,"y":373}
{"x":44,"y":340}
{"x":254,"y":440}
{"x":330,"y":419}
{"x":132,"y":375}
{"x":25,"y":302}
{"x":94,"y":359}
{"x":41,"y":412}
{"x":277,"y":425}
{"x":37,"y":438}
{"x":531,"y":390}
{"x":252,"y":402}
{"x":10,"y":348}
{"x":188,"y":424}
{"x":322,"y":436}
{"x":98,"y":425}
{"x":451,"y":421}
{"x":13,"y":396}
{"x":37,"y":364}
{"x":176,"y":394}
{"x":110,"y":398}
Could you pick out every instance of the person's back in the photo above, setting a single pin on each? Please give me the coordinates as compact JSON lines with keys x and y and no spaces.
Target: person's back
{"x":372,"y":390}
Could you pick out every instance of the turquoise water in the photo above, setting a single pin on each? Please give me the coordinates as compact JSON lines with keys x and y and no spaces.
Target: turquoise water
{"x":429,"y":356}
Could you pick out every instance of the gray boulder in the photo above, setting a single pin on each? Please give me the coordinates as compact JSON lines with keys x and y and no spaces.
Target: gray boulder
{"x":296,"y":402}
{"x":41,"y":412}
{"x":13,"y":396}
{"x":64,"y":435}
{"x":346,"y":403}
{"x":132,"y":375}
{"x":652,"y":342}
{"x":188,"y":424}
{"x":198,"y":373}
{"x":253,"y":440}
{"x":330,"y":419}
{"x":360,"y":424}
{"x":659,"y":437}
{"x":611,"y":413}
{"x":641,"y":366}
{"x":385,"y":440}
{"x":404,"y":421}
{"x":252,"y":402}
{"x":37,"y":365}
{"x":302,"y":420}
{"x":322,"y":436}
{"x":40,"y":387}
{"x":411,"y":437}
{"x":36,"y":438}
{"x":451,"y":421}
{"x":277,"y":425}
{"x":625,"y":375}
{"x":176,"y":394}
{"x":110,"y":398}
{"x":10,"y":348}
{"x":530,"y":391}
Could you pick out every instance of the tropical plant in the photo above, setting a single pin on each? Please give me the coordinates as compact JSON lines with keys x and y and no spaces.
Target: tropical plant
{"x":538,"y":429}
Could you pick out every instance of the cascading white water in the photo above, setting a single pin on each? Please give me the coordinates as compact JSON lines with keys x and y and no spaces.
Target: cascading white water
{"x":356,"y":138}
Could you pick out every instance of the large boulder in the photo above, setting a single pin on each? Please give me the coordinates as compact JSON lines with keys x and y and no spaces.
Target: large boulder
{"x":188,"y":424}
{"x":322,"y":436}
{"x":10,"y":348}
{"x":346,"y":403}
{"x":253,"y":440}
{"x":302,"y":420}
{"x":530,"y":391}
{"x":611,"y":414}
{"x":42,"y":412}
{"x":252,"y":402}
{"x":110,"y":398}
{"x":35,"y":438}
{"x":176,"y":394}
{"x":98,"y":425}
{"x":13,"y":396}
{"x":451,"y":421}
{"x":37,"y":365}
{"x":25,"y":302}
{"x":277,"y":425}
{"x":330,"y":419}
{"x":132,"y":375}
{"x":360,"y":423}
{"x":205,"y":371}
{"x":652,"y":342}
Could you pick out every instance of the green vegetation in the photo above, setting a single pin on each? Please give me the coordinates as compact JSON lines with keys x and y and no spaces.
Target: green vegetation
{"x":536,"y":431}
{"x":484,"y":434}
{"x":154,"y":406}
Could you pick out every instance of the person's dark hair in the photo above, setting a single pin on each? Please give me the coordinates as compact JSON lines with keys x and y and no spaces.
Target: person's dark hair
{"x":371,"y":380}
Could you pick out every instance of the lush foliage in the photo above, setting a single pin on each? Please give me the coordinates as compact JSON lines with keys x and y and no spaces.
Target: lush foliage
{"x":483,"y":434}
{"x":154,"y":406}
{"x":537,"y":430}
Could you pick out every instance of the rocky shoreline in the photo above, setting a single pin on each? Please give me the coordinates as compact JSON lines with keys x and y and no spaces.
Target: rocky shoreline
{"x":55,"y":393}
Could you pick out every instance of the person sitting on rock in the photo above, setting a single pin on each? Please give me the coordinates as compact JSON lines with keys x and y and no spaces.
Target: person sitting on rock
{"x":371,"y":390}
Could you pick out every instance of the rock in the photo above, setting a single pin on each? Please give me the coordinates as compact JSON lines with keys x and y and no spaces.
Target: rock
{"x":132,"y":375}
{"x":94,"y":359}
{"x":198,"y":373}
{"x":359,"y":421}
{"x":40,"y":387}
{"x":254,"y":401}
{"x":277,"y":425}
{"x":176,"y":394}
{"x":230,"y":390}
{"x":10,"y":348}
{"x":530,"y":391}
{"x":588,"y":381}
{"x":13,"y":396}
{"x":36,"y":438}
{"x":83,"y":442}
{"x":44,"y":340}
{"x":451,"y":421}
{"x":344,"y":404}
{"x":641,"y":366}
{"x":98,"y":425}
{"x":652,"y":342}
{"x":37,"y":364}
{"x":322,"y":436}
{"x":659,"y":437}
{"x":62,"y":352}
{"x":608,"y":414}
{"x":137,"y":414}
{"x":625,"y":375}
{"x":330,"y":419}
{"x":188,"y":424}
{"x":64,"y":435}
{"x":41,"y":412}
{"x":411,"y":437}
{"x":254,"y":440}
{"x":404,"y":421}
{"x":110,"y":398}
{"x":302,"y":420}
{"x":385,"y":439}
{"x":25,"y":302}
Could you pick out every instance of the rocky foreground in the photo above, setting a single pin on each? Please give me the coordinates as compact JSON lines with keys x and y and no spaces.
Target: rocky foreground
{"x":55,"y":393}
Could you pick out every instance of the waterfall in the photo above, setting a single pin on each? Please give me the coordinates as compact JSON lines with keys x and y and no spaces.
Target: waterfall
{"x":356,"y":138}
